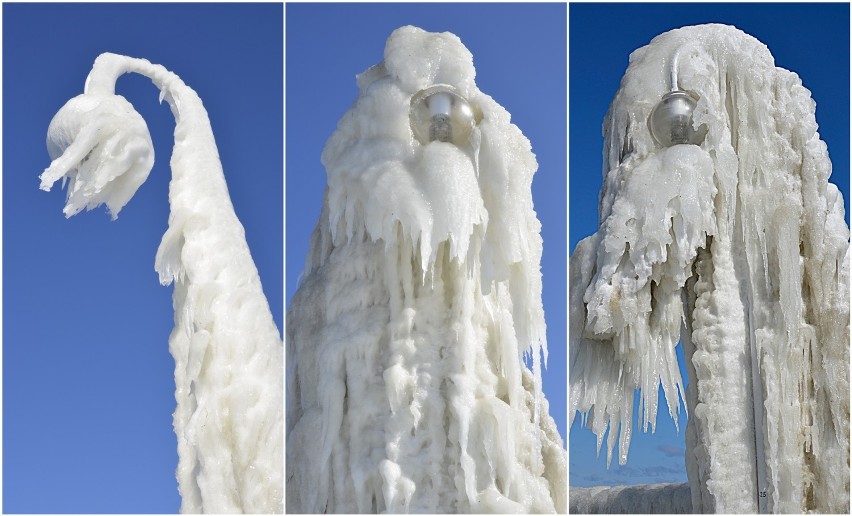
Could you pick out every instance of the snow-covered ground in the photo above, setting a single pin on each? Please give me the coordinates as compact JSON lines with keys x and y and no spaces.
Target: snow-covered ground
{"x":737,"y":247}
{"x":640,"y":499}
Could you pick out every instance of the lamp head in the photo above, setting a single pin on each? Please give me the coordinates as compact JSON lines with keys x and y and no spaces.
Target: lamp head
{"x":671,"y":120}
{"x":102,"y":146}
{"x":440,"y":113}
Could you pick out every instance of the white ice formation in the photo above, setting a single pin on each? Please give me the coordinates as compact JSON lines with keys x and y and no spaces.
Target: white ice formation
{"x":407,"y":391}
{"x":228,"y":352}
{"x":737,"y":248}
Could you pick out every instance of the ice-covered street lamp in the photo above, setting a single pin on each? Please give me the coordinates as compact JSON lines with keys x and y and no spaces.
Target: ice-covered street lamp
{"x":738,"y":252}
{"x":441,"y":113}
{"x":407,"y":390}
{"x":228,"y":352}
{"x":671,"y":120}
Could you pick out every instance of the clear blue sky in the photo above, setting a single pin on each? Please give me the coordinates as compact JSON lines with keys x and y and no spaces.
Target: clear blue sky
{"x":809,"y":39}
{"x":519,"y":54}
{"x":88,"y":388}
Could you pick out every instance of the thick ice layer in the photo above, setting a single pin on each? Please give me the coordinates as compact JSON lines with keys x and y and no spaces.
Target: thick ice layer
{"x":227,"y":349}
{"x":737,"y":247}
{"x":106,"y":144}
{"x":406,"y":386}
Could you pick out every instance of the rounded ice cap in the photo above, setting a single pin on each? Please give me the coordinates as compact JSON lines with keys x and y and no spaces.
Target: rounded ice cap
{"x":418,"y":59}
{"x":102,"y":145}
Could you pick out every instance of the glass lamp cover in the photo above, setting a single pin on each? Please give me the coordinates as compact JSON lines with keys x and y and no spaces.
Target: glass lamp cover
{"x":439,"y":113}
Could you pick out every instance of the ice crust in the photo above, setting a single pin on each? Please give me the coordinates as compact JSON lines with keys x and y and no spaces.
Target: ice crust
{"x":228,"y":352}
{"x":737,"y":248}
{"x":406,"y":387}
{"x":640,"y":499}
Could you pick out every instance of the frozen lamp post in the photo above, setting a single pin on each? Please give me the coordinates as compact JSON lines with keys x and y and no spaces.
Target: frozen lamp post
{"x":720,"y":232}
{"x":227,"y":349}
{"x":406,"y":387}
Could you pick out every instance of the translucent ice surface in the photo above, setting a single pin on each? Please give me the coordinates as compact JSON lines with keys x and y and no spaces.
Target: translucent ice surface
{"x":228,"y":352}
{"x":406,"y":387}
{"x":737,"y":248}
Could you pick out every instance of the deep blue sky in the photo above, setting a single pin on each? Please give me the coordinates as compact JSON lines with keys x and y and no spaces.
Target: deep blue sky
{"x":88,"y":388}
{"x":811,"y":40}
{"x":519,"y":54}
